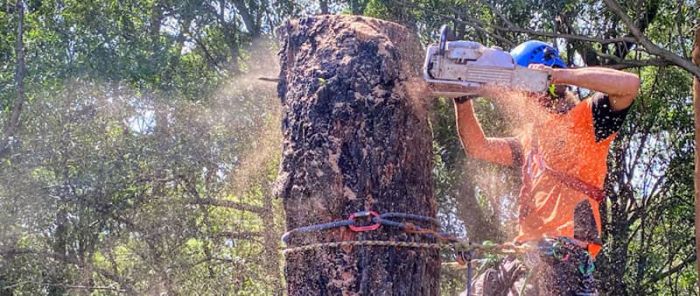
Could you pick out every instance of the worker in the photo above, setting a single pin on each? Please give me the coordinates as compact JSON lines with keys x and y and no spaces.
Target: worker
{"x":562,"y":155}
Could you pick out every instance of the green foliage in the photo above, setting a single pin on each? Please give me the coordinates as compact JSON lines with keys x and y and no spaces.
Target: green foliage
{"x":376,"y":8}
{"x":140,"y":113}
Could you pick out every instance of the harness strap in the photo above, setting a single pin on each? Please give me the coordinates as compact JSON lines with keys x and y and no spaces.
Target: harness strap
{"x":572,"y":182}
{"x":591,"y":191}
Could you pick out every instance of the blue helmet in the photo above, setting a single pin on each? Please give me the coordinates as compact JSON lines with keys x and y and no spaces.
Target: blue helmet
{"x":537,"y":52}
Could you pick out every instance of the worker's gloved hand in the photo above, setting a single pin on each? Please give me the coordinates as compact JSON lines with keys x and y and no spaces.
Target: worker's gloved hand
{"x":543,"y":68}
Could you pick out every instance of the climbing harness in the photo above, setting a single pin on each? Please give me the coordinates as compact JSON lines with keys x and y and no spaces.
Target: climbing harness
{"x":567,"y":250}
{"x":535,"y":166}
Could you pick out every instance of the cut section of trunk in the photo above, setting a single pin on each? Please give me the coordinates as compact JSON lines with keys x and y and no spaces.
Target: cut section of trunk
{"x":354,"y":140}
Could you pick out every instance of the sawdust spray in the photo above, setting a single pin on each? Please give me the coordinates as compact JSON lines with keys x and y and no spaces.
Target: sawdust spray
{"x":264,"y":148}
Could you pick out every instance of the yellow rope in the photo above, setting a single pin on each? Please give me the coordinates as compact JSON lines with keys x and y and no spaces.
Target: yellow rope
{"x":461,"y":246}
{"x":310,"y":247}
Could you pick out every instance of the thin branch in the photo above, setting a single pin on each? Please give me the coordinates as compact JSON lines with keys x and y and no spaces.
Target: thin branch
{"x":480,"y":26}
{"x":661,"y":275}
{"x":69,"y":286}
{"x":498,"y":13}
{"x":238,"y":234}
{"x":626,"y":64}
{"x":12,"y":124}
{"x":474,"y":24}
{"x":515,"y":29}
{"x":696,"y":107}
{"x":650,"y":46}
{"x":227,"y":204}
{"x":128,"y":289}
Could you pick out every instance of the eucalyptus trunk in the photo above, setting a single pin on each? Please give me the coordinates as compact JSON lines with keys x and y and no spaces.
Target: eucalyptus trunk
{"x":355,"y":139}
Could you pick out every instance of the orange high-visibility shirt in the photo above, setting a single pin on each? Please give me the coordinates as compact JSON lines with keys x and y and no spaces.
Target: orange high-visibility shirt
{"x":565,"y":143}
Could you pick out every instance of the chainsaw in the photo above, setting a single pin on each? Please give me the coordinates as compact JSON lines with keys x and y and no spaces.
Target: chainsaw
{"x":458,"y":68}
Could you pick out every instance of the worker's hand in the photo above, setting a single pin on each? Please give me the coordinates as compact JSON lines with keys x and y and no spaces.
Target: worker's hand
{"x":549,"y":70}
{"x":542,"y":68}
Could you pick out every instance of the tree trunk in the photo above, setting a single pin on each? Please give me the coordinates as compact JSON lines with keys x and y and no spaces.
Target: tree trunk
{"x":610,"y":264}
{"x":354,"y":140}
{"x":696,"y":103}
{"x":324,"y":6}
{"x":12,"y":124}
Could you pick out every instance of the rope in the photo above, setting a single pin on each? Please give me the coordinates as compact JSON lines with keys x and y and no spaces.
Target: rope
{"x":446,"y":240}
{"x":377,"y":220}
{"x":504,"y":249}
{"x":465,"y":250}
{"x":310,"y":247}
{"x":317,"y":227}
{"x":410,"y":216}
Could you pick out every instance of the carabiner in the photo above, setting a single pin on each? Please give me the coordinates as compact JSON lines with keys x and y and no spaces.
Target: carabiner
{"x":371,"y":214}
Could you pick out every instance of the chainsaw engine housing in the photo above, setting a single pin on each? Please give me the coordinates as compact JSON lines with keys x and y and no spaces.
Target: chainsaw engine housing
{"x":459,"y":68}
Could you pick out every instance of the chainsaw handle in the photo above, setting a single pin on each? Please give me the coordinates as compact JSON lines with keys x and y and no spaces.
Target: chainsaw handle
{"x":445,"y":35}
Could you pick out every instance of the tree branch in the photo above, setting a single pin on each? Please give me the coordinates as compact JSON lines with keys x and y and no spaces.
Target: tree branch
{"x":478,"y":25}
{"x":238,"y":234}
{"x":474,"y":24}
{"x":226,"y":204}
{"x":498,"y":13}
{"x":650,"y":47}
{"x":68,"y":286}
{"x":515,"y":29}
{"x":662,"y":275}
{"x":128,"y":288}
{"x":12,"y":124}
{"x":247,"y":17}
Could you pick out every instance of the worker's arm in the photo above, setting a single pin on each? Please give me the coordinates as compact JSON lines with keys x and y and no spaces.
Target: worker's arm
{"x":475,"y":143}
{"x":621,"y":87}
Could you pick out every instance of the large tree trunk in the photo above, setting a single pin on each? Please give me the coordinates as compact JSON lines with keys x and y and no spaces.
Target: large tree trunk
{"x":354,"y":140}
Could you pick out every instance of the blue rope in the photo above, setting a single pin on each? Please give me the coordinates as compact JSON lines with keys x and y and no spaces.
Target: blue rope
{"x":410,"y":216}
{"x":317,"y":227}
{"x":382,"y":219}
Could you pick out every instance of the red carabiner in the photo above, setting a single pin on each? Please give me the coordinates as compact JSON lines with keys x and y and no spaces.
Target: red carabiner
{"x":362,"y":214}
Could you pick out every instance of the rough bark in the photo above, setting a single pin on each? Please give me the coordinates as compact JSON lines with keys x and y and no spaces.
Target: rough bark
{"x":696,"y":103}
{"x":354,"y":140}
